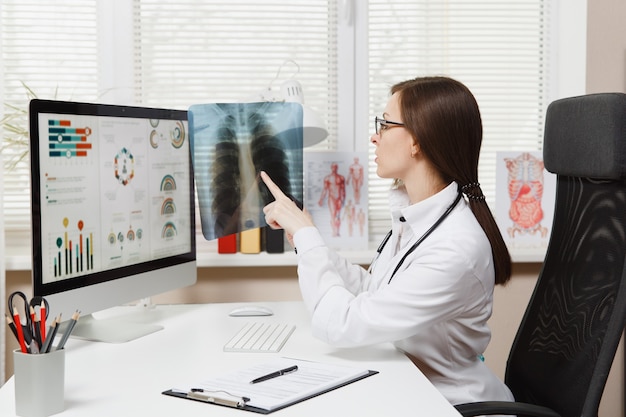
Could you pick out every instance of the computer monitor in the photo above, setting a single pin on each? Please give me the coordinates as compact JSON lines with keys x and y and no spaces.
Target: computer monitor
{"x":113,"y":218}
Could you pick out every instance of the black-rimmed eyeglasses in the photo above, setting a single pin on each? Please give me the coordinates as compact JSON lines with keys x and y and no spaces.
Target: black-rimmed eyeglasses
{"x":381,"y":124}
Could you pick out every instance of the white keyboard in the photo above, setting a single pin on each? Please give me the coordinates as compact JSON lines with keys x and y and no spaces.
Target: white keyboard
{"x":260,"y":337}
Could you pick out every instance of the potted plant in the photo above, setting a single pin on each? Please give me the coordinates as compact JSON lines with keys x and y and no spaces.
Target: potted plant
{"x":15,"y":136}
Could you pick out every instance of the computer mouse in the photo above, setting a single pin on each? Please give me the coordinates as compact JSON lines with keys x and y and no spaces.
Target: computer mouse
{"x":250,"y":310}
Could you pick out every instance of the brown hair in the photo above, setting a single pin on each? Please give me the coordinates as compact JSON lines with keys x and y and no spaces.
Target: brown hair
{"x":443,"y":117}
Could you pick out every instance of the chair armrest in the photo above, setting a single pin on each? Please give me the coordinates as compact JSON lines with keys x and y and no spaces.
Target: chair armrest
{"x":486,"y":408}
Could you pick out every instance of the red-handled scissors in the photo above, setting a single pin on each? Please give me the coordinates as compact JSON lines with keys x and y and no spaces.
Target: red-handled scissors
{"x":22,"y":309}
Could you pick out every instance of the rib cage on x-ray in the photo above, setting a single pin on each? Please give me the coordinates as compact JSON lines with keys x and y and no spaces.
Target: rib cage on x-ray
{"x":244,"y":147}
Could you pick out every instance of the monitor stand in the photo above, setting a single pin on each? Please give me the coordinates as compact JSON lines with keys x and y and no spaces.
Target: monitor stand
{"x":116,"y":328}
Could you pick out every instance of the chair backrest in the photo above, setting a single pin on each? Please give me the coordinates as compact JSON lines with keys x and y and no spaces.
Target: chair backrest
{"x":569,"y":334}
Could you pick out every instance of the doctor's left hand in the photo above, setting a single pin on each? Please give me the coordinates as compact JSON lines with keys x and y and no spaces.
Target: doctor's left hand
{"x":283,"y":213}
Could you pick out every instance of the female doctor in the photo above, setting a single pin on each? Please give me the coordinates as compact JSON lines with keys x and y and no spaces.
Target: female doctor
{"x":430,"y":289}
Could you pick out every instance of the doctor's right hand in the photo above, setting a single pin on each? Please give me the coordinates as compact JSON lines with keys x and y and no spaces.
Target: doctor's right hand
{"x":283,"y":213}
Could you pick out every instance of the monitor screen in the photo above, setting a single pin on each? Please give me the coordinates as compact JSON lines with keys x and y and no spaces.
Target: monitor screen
{"x":113,"y":217}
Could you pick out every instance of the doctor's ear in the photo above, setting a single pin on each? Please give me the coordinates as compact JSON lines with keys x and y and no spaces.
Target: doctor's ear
{"x":415,"y":150}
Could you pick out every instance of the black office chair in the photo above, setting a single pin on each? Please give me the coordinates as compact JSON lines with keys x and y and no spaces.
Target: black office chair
{"x":566,"y":342}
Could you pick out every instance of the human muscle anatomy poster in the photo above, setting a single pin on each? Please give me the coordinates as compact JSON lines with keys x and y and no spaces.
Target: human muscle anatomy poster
{"x":336,"y":197}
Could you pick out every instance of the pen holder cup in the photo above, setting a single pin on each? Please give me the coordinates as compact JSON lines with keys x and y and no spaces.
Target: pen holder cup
{"x":39,"y":383}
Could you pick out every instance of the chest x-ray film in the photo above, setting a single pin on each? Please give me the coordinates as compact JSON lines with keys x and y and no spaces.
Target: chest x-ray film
{"x":230,"y":144}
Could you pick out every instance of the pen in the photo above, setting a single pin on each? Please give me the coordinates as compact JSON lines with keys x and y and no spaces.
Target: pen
{"x":275,"y":374}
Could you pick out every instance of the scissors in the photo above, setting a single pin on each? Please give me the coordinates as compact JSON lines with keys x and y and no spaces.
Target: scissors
{"x":27,"y":328}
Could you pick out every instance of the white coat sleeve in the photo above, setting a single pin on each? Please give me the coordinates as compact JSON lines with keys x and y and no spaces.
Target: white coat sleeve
{"x":334,"y":269}
{"x":436,"y":283}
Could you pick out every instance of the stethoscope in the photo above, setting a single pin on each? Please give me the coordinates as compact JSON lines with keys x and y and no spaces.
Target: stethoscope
{"x":416,"y":244}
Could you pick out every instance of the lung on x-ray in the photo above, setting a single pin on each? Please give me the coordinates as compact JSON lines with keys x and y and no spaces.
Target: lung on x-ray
{"x":230,"y":144}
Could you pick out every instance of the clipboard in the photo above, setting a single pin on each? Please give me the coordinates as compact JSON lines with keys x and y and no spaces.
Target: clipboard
{"x":338,"y":376}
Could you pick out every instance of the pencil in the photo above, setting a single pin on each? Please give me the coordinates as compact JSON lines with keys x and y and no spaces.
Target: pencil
{"x":11,"y":325}
{"x":52,"y":331}
{"x":20,"y":332}
{"x":70,"y":327}
{"x":29,"y":330}
{"x":37,"y":331}
{"x":34,"y":346}
{"x":32,"y":314}
{"x":42,"y":318}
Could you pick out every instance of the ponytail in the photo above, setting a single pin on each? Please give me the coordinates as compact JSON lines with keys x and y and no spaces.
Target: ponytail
{"x":443,"y":117}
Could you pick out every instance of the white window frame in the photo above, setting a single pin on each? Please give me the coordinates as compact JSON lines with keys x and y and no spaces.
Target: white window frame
{"x":568,"y":73}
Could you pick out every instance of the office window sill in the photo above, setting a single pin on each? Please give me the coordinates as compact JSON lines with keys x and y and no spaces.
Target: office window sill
{"x":19,"y":258}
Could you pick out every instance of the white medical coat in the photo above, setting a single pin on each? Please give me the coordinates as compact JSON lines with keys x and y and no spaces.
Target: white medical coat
{"x":436,"y":307}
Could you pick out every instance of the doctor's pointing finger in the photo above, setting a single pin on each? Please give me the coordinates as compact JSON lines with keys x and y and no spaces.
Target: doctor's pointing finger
{"x":283,"y":213}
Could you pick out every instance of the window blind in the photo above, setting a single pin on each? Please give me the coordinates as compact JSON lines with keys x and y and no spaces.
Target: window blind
{"x":195,"y":51}
{"x":497,"y":48}
{"x":48,"y":50}
{"x":206,"y":51}
{"x":198,"y":51}
{"x":183,"y":53}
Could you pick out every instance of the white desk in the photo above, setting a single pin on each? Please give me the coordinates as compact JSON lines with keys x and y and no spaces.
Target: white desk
{"x":127,"y":379}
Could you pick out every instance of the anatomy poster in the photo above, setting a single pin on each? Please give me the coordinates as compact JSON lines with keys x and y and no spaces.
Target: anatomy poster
{"x":336,"y":197}
{"x":525,"y":194}
{"x":231,"y":143}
